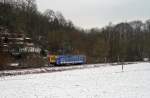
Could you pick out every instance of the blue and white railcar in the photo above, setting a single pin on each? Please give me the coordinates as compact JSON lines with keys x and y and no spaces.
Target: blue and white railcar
{"x":70,"y":59}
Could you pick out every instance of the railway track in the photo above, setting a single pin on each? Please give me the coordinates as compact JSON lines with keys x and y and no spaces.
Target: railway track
{"x":46,"y":69}
{"x":50,"y":69}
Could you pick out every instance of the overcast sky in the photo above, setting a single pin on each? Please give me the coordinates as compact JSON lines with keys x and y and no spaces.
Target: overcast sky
{"x":98,"y":13}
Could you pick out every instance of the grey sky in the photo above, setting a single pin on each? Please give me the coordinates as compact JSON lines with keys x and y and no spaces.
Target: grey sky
{"x":98,"y":13}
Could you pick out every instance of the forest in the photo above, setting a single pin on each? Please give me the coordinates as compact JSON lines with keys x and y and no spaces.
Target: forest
{"x":51,"y":31}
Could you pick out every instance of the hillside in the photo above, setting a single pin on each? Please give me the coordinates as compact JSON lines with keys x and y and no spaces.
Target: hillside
{"x":52,"y":33}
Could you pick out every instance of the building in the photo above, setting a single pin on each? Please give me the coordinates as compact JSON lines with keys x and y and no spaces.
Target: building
{"x":17,"y":43}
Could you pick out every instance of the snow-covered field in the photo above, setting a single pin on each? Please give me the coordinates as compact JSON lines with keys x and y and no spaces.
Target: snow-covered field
{"x":102,"y":82}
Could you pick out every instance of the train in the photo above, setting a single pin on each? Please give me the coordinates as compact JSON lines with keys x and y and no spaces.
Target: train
{"x":67,"y":59}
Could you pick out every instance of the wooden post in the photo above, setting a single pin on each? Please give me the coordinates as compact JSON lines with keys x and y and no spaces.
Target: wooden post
{"x":122,"y":67}
{"x":105,"y":60}
{"x":118,"y":59}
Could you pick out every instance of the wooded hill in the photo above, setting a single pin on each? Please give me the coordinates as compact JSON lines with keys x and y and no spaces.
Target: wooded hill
{"x":128,"y":41}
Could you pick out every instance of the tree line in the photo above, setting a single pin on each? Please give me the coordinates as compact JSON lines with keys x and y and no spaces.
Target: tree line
{"x":128,"y":41}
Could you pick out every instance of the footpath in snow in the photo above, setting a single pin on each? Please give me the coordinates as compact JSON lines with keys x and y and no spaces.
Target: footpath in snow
{"x":100,"y":82}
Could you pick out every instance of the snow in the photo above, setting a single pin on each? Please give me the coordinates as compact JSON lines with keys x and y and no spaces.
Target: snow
{"x":100,"y":82}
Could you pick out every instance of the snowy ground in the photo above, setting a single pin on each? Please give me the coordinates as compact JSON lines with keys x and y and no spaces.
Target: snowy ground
{"x":102,"y":82}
